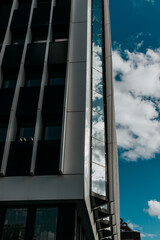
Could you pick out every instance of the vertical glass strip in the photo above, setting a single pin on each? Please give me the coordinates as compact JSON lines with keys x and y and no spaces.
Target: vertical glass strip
{"x":98,"y":116}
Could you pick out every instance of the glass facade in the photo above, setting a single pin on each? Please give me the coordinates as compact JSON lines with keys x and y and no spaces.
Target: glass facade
{"x":36,"y":222}
{"x":45,"y":224}
{"x":15,"y":224}
{"x":99,"y":178}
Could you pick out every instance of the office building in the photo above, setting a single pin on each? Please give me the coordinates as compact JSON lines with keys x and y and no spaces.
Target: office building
{"x":58,"y":159}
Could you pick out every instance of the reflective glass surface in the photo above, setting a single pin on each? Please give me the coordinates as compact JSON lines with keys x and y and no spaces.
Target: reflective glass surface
{"x":98,"y":152}
{"x":45,"y":224}
{"x":97,"y":82}
{"x":98,"y":179}
{"x":98,"y":125}
{"x":98,"y":102}
{"x":97,"y":12}
{"x":97,"y":27}
{"x":15,"y":223}
{"x":97,"y":58}
{"x":97,"y":40}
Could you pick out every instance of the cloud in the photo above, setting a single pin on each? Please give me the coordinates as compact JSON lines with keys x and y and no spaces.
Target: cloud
{"x":138,"y":228}
{"x":153,"y":208}
{"x":137,"y":88}
{"x":148,"y":235}
{"x":134,"y":226}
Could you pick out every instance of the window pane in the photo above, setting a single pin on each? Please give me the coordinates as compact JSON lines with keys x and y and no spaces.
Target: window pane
{"x":98,"y":129}
{"x":46,"y":224}
{"x":97,"y":40}
{"x":33,"y":82}
{"x":97,"y":58}
{"x":15,"y":223}
{"x":9,"y":84}
{"x":97,"y":27}
{"x":33,"y":79}
{"x":98,"y":179}
{"x":97,"y":12}
{"x":97,"y":101}
{"x":3,"y":132}
{"x":53,"y":81}
{"x":98,"y":152}
{"x":97,"y":81}
{"x":10,"y":80}
{"x":52,"y":133}
{"x":26,"y":133}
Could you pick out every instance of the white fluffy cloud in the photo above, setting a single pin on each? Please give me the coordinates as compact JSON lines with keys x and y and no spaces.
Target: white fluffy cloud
{"x":137,"y":95}
{"x":134,"y":226}
{"x":153,"y":208}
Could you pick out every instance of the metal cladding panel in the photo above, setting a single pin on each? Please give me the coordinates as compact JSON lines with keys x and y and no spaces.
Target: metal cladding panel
{"x":77,"y":87}
{"x":78,"y":42}
{"x":74,"y":143}
{"x":79,"y":11}
{"x":67,"y":187}
{"x":74,"y":125}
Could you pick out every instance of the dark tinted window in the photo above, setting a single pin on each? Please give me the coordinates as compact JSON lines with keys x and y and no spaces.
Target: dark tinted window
{"x":26,"y":132}
{"x":33,"y":79}
{"x":46,"y":224}
{"x":52,"y":132}
{"x":3,"y":132}
{"x":15,"y":223}
{"x":9,"y":80}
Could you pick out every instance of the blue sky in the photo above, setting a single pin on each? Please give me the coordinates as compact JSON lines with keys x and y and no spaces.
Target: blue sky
{"x":135,"y":28}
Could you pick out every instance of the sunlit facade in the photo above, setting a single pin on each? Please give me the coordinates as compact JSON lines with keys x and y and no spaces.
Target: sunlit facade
{"x":58,"y":151}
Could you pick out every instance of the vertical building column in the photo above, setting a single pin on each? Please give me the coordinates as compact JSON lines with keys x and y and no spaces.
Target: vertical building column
{"x":74,"y":140}
{"x":111,"y":128}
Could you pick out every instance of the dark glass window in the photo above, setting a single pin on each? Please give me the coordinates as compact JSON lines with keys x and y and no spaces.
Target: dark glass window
{"x":54,"y":81}
{"x":52,"y":131}
{"x":39,"y":37}
{"x":45,"y":224}
{"x":9,"y":80}
{"x":3,"y":133}
{"x":26,"y":132}
{"x":56,"y":76}
{"x":18,"y":39}
{"x":14,"y":225}
{"x":1,"y":41}
{"x":33,"y":79}
{"x":41,"y":2}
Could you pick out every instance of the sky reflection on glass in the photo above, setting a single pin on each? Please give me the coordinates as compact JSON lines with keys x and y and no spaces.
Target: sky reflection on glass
{"x":98,"y":127}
